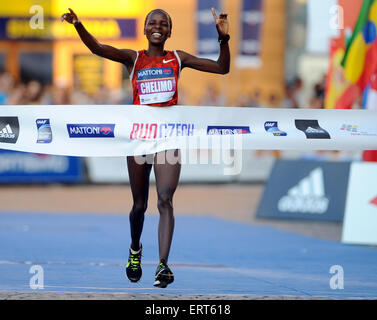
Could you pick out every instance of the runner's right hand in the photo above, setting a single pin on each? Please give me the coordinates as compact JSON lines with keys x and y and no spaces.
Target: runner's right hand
{"x":70,"y":17}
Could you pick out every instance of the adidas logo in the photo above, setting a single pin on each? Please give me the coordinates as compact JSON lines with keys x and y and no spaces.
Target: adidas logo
{"x":308,"y":196}
{"x":7,"y":132}
{"x":313,"y":130}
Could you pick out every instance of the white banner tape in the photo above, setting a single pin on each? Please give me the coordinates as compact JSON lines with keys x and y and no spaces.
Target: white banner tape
{"x":121,"y":130}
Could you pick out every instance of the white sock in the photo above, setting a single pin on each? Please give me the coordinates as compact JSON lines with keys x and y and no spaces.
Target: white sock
{"x":135,"y":252}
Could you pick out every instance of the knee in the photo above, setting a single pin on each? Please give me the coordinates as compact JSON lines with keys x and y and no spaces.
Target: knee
{"x":165,"y":200}
{"x":139,"y":207}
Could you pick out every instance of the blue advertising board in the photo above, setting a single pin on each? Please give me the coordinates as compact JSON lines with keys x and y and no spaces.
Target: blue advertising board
{"x":207,"y":34}
{"x":309,"y":190}
{"x":23,"y":167}
{"x":252,"y":19}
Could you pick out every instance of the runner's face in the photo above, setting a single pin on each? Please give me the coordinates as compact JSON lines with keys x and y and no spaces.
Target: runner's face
{"x":157,"y":28}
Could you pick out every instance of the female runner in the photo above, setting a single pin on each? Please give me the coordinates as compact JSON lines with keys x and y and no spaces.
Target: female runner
{"x":143,"y":66}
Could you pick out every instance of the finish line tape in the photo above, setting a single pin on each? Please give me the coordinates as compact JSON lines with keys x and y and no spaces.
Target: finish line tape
{"x":124,"y":130}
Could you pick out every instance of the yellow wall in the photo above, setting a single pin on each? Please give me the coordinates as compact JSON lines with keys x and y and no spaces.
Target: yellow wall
{"x":87,"y":8}
{"x":65,"y":49}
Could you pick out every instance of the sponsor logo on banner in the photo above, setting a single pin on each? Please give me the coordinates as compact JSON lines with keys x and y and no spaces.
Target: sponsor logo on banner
{"x":44,"y":131}
{"x":307,"y":196}
{"x":227,"y":130}
{"x":272,"y":127}
{"x":312,"y":129}
{"x":355,"y":131}
{"x":146,"y":131}
{"x":98,"y":130}
{"x":9,"y":129}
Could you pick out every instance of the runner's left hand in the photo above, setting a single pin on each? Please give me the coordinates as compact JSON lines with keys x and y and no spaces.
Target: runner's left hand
{"x":222,"y":24}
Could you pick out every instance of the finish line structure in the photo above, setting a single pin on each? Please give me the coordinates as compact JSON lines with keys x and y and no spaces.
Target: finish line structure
{"x":124,"y":130}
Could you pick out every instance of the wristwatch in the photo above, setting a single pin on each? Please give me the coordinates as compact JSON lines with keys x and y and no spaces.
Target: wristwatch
{"x":224,"y":40}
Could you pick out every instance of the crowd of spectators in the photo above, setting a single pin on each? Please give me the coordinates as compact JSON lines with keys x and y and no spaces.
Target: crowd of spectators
{"x":292,"y":97}
{"x":14,"y":92}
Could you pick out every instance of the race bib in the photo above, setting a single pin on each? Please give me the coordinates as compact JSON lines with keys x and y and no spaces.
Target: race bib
{"x":156,"y":85}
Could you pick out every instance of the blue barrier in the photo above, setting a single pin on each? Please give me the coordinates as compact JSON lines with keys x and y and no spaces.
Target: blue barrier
{"x":23,"y":167}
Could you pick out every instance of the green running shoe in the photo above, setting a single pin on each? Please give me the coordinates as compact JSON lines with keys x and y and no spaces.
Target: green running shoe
{"x":133,"y":267}
{"x":164,"y":275}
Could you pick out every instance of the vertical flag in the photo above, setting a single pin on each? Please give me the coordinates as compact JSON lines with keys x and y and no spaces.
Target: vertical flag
{"x":207,"y":45}
{"x":360,"y":59}
{"x":252,"y":17}
{"x":335,"y":82}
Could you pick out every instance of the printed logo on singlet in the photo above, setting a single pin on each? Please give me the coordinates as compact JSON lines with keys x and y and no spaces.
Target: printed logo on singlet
{"x":148,"y":131}
{"x":156,"y":85}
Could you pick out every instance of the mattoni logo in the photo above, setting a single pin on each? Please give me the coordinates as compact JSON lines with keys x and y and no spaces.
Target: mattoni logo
{"x":9,"y":129}
{"x":97,"y":130}
{"x":227,"y":130}
{"x":308,"y":196}
{"x":312,"y":129}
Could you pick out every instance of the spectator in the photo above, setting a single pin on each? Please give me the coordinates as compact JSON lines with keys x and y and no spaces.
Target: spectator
{"x":213,"y":97}
{"x":102,"y":95}
{"x":78,"y":97}
{"x":46,"y":97}
{"x":33,"y":92}
{"x":17,"y":95}
{"x":290,"y":100}
{"x":243,"y":101}
{"x":255,"y":99}
{"x":293,"y":94}
{"x":273,"y":101}
{"x":6,"y":85}
{"x":318,"y":99}
{"x":60,"y":95}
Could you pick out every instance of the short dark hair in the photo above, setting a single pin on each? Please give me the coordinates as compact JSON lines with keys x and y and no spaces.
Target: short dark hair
{"x":159,"y":11}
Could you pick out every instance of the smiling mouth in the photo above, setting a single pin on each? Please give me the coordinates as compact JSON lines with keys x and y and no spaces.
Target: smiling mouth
{"x":156,"y":35}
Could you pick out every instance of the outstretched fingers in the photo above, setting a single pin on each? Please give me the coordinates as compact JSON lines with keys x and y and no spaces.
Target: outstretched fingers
{"x":70,"y":16}
{"x":214,"y":14}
